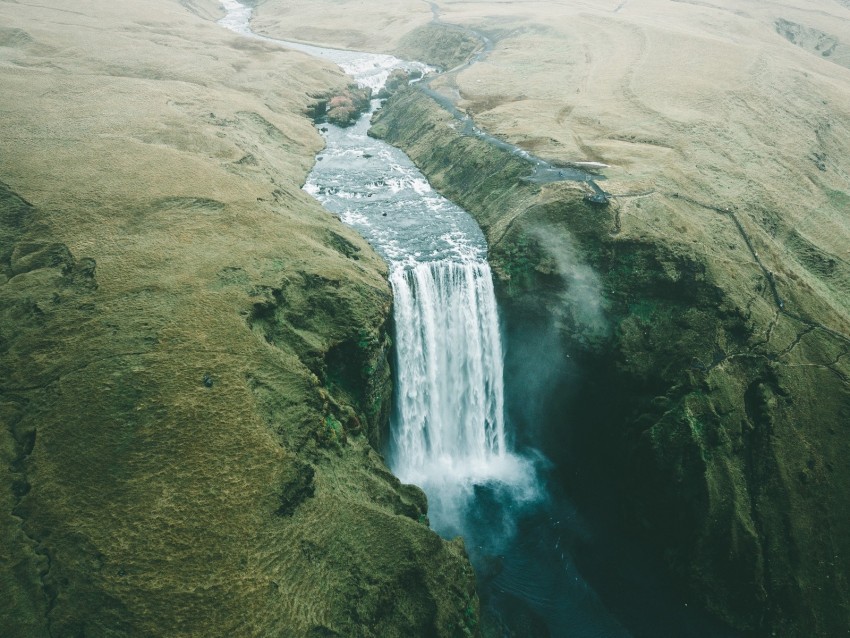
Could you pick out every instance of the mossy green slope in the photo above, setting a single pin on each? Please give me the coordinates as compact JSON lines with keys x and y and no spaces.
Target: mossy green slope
{"x":718,"y":414}
{"x":194,"y":353}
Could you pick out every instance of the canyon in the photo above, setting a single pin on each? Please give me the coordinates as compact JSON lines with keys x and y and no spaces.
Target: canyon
{"x":197,"y":357}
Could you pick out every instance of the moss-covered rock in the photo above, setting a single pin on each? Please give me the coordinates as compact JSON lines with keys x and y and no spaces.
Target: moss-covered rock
{"x":397,"y":79}
{"x":342,"y":107}
{"x":441,"y":45}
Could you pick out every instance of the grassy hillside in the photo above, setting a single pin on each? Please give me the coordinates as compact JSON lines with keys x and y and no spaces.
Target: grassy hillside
{"x":194,"y":353}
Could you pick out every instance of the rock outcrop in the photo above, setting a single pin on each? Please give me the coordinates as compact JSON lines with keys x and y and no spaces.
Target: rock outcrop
{"x":442,"y":45}
{"x":398,"y":79}
{"x":343,"y":107}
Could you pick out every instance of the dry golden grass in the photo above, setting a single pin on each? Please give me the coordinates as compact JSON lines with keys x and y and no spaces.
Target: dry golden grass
{"x":360,"y":26}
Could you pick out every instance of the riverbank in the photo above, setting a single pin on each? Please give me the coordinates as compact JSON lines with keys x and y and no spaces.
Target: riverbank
{"x":599,"y":310}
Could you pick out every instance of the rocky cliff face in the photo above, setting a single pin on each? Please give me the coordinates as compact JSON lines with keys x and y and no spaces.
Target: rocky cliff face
{"x":705,"y":398}
{"x":194,"y":353}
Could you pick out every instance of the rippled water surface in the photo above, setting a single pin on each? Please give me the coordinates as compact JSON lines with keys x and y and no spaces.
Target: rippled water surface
{"x":375,"y":188}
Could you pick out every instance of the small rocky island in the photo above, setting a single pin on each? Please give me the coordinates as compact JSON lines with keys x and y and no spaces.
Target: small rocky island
{"x":342,"y":108}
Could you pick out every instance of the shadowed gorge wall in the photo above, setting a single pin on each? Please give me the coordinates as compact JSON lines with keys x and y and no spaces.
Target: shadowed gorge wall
{"x":705,"y":415}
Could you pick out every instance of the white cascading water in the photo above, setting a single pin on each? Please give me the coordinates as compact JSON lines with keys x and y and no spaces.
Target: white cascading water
{"x":449,"y":434}
{"x":449,"y":430}
{"x":450,"y":394}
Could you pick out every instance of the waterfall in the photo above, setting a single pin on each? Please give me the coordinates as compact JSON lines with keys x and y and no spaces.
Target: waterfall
{"x":449,"y":429}
{"x":450,"y":404}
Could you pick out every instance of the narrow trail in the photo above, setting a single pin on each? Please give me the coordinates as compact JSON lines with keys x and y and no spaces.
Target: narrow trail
{"x":770,"y":278}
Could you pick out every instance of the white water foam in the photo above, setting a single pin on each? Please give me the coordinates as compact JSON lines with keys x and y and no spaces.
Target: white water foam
{"x":449,"y":434}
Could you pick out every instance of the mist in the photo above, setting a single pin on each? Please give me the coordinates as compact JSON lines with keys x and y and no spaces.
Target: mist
{"x":582,"y":302}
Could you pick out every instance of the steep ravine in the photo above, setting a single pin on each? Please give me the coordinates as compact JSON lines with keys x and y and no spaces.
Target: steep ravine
{"x":228,"y":487}
{"x":681,"y":402}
